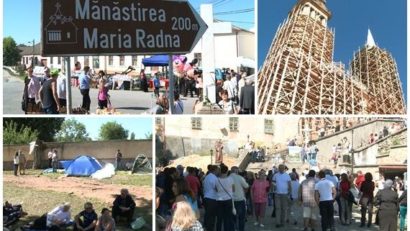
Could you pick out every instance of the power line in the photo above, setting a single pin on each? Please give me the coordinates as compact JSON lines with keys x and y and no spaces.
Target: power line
{"x":235,"y":11}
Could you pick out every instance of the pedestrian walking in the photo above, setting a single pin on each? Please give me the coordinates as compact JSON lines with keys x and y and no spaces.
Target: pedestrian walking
{"x":16,"y":163}
{"x":325,"y":194}
{"x":259,"y":193}
{"x":282,"y":183}
{"x":387,"y":200}
{"x":85,"y":80}
{"x":307,"y":198}
{"x":366,"y":200}
{"x":239,"y":198}
{"x":224,"y":192}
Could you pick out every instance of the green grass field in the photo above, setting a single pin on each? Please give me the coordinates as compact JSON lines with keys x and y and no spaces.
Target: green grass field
{"x":121,"y":177}
{"x":36,"y":202}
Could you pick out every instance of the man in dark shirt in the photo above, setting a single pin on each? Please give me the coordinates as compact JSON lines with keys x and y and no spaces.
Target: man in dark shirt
{"x":124,"y":206}
{"x":86,"y":219}
{"x":118,"y":158}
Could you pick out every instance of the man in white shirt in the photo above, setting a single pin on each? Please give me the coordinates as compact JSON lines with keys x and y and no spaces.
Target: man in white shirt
{"x":283,"y":189}
{"x":61,"y":89}
{"x":59,"y":217}
{"x":325,"y":194}
{"x":230,"y":87}
{"x":239,"y":197}
{"x":210,"y":197}
{"x":50,"y":158}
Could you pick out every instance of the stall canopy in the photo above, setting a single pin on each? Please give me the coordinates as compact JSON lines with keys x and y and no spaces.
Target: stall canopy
{"x":156,"y":61}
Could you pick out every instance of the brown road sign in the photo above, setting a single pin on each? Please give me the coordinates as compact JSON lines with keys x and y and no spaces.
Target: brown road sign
{"x":106,"y":27}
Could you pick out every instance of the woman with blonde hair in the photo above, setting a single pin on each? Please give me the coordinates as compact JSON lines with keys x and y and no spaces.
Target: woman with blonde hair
{"x":184,"y":218}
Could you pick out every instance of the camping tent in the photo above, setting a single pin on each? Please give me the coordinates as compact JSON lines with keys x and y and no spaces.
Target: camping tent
{"x":156,"y":60}
{"x":141,"y":164}
{"x":82,"y":165}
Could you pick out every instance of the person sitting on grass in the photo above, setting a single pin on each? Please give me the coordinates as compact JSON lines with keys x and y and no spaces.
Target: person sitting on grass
{"x":105,"y":222}
{"x":89,"y":218}
{"x":12,"y":213}
{"x":59,"y":217}
{"x":124,"y":206}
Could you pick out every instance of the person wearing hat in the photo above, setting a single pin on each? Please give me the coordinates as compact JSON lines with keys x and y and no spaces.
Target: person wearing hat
{"x":387,"y":199}
{"x":59,"y":217}
{"x":48,"y":95}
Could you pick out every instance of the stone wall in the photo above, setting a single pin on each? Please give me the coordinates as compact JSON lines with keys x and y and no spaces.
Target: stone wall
{"x":102,"y":150}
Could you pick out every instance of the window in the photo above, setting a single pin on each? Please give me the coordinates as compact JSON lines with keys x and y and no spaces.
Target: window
{"x":86,"y":61}
{"x":158,"y":121}
{"x":196,"y":123}
{"x":135,"y":60}
{"x":268,"y":126}
{"x":110,"y":60}
{"x":122,"y":60}
{"x":233,"y":124}
{"x":96,"y":62}
{"x":198,"y":56}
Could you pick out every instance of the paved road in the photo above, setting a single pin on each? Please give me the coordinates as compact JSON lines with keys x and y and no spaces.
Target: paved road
{"x":126,"y":102}
{"x":269,"y":223}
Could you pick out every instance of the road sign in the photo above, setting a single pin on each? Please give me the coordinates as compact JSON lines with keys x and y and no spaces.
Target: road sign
{"x":106,"y":27}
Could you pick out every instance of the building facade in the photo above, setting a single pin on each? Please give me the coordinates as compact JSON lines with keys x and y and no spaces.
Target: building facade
{"x":299,"y":75}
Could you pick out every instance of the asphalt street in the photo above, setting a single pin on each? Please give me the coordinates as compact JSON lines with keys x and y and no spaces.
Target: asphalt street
{"x":125,"y":102}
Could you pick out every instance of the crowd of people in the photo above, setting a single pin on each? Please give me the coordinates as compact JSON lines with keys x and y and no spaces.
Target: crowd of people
{"x":45,"y":94}
{"x":228,"y":198}
{"x":60,"y":217}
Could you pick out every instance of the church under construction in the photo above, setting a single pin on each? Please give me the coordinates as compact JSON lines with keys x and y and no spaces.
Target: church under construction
{"x":299,"y":75}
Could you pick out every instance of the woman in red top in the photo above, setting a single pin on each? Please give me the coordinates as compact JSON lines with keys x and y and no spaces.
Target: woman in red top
{"x":366,"y":200}
{"x":346,"y":212}
{"x":259,"y":194}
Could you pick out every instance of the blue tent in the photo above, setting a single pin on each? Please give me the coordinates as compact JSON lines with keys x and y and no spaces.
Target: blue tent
{"x":82,"y":166}
{"x":156,"y":60}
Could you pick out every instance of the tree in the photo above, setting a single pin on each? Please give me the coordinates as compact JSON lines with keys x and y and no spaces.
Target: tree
{"x":113,"y":131}
{"x":148,"y":135}
{"x":132,"y":137}
{"x":72,"y":131}
{"x":46,"y":127}
{"x":11,"y":53}
{"x":15,"y":134}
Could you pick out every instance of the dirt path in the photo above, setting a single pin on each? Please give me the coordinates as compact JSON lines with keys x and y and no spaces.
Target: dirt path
{"x":82,"y":188}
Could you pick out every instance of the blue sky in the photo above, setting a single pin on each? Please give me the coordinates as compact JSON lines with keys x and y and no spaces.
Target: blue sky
{"x":351,"y":19}
{"x":25,"y":26}
{"x":139,"y":125}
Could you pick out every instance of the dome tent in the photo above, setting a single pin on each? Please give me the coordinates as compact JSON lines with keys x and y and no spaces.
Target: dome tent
{"x":82,"y":165}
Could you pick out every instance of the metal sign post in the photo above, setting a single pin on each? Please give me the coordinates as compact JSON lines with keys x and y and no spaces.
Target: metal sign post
{"x":171,"y":85}
{"x":68,"y":84}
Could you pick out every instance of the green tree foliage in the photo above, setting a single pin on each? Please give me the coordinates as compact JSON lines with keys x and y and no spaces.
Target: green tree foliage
{"x":46,"y":127}
{"x":132,"y":136}
{"x":15,"y":134}
{"x":11,"y":53}
{"x":113,"y":131}
{"x":148,"y":135}
{"x":72,"y":131}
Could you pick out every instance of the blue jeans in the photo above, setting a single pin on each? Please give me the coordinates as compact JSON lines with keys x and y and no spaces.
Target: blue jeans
{"x":239,"y":219}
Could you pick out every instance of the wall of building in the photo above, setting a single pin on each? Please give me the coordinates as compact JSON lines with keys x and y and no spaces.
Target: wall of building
{"x":102,"y":150}
{"x":246,"y":45}
{"x":360,"y":136}
{"x":180,"y":136}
